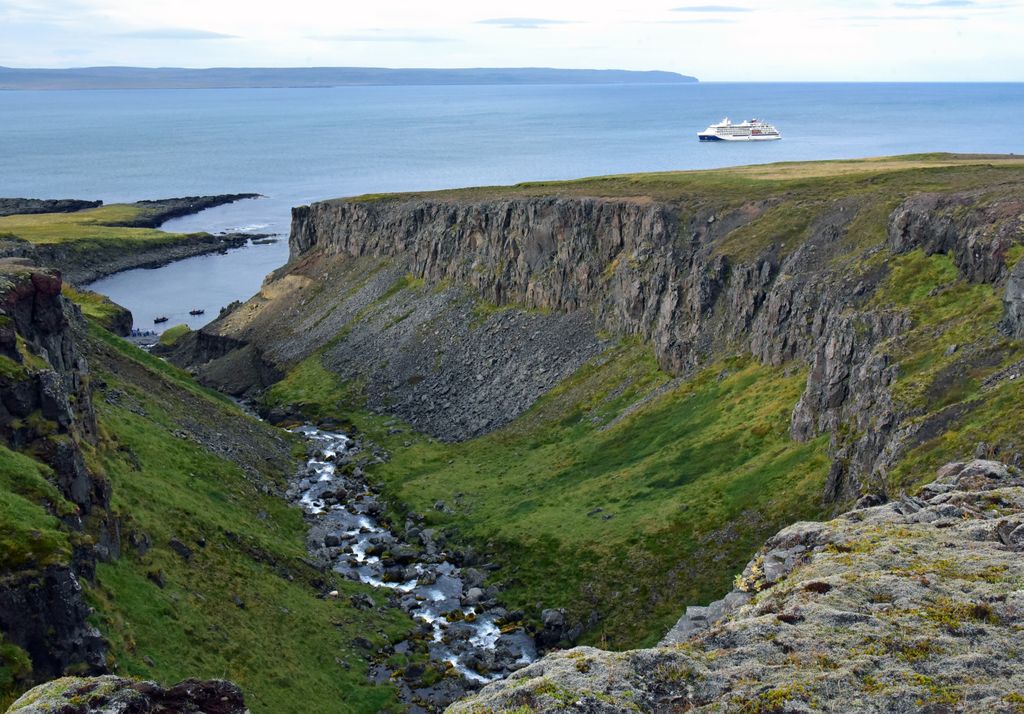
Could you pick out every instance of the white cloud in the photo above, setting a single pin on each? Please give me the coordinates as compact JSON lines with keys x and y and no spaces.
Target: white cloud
{"x":784,"y":40}
{"x":522,"y":23}
{"x":173,"y":33}
{"x":711,"y":8}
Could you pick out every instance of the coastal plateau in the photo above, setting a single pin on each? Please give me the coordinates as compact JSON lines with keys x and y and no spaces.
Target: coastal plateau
{"x":749,"y":436}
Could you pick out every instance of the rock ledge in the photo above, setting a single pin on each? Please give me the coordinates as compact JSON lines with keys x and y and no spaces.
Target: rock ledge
{"x":914,"y":605}
{"x":117,"y":695}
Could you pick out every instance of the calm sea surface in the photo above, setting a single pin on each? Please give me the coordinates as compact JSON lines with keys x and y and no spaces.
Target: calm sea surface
{"x":300,"y":145}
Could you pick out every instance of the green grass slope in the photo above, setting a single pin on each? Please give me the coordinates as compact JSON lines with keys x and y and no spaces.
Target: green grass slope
{"x":93,"y":226}
{"x":30,"y":533}
{"x":621,"y":492}
{"x":951,"y":361}
{"x":244,"y":606}
{"x":185,"y":463}
{"x":630,"y":494}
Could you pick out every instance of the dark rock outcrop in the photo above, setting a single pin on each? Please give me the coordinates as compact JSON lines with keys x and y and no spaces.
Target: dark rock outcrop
{"x":46,"y":410}
{"x":44,"y":615}
{"x":155,"y":213}
{"x":975,"y":232}
{"x":117,"y":695}
{"x":15,"y":206}
{"x":45,"y":398}
{"x":239,"y":369}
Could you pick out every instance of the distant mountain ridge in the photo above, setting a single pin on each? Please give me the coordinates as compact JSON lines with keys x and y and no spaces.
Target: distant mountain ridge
{"x":239,"y":77}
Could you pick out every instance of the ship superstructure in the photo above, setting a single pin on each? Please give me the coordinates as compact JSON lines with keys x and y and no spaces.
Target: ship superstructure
{"x":750,"y":130}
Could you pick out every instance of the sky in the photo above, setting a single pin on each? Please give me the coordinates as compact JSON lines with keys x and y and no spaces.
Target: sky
{"x":762,"y":40}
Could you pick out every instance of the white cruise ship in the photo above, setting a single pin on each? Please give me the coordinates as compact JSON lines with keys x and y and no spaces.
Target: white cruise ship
{"x":750,"y":130}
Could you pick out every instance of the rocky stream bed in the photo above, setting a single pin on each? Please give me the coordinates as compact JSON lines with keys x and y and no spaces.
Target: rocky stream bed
{"x":468,"y":639}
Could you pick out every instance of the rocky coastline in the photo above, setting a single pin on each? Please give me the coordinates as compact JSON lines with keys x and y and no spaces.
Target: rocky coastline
{"x":82,"y":264}
{"x":16,"y":206}
{"x":154,"y":213}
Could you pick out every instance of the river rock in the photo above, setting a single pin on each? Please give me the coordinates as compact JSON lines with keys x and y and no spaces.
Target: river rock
{"x":397,"y":565}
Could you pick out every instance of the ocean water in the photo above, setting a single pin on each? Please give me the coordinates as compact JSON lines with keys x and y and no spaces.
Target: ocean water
{"x":300,"y":145}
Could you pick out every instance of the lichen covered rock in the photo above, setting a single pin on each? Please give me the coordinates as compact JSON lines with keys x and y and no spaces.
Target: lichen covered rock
{"x":907,"y":606}
{"x":117,"y":695}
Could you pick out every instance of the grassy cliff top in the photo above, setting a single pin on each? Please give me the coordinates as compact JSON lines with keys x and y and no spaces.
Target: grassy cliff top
{"x":105,"y":223}
{"x":939,"y":170}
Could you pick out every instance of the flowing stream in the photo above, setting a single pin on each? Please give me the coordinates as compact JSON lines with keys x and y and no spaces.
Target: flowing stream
{"x":467,"y":628}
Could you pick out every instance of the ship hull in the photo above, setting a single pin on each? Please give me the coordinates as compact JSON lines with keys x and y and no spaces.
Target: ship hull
{"x":715,"y":137}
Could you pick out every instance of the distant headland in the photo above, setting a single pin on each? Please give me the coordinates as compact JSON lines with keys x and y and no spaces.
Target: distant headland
{"x":238,"y":77}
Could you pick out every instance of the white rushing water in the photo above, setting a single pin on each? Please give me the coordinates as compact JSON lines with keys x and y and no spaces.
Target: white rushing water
{"x":466,"y":633}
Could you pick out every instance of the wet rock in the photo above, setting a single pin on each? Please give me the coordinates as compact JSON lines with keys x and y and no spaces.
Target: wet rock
{"x":554,"y":628}
{"x":404,"y":554}
{"x":473,"y":577}
{"x":421,"y":582}
{"x":362,"y":601}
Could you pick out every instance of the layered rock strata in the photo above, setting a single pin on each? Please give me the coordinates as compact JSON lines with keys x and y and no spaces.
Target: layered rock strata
{"x":668,"y":274}
{"x":46,"y":410}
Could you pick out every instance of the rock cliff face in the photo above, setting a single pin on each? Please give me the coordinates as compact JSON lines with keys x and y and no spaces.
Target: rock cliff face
{"x":445,"y":310}
{"x":46,"y":410}
{"x":45,"y":400}
{"x":908,"y":606}
{"x":82,"y":264}
{"x":668,"y":273}
{"x":44,"y":614}
{"x":974,"y":229}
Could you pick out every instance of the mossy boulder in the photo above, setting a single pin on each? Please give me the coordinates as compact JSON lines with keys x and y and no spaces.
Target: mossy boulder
{"x":110,"y":695}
